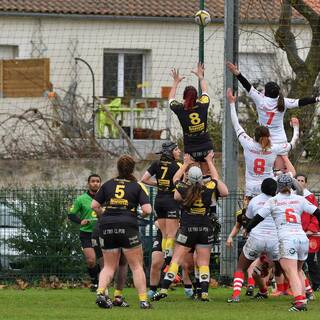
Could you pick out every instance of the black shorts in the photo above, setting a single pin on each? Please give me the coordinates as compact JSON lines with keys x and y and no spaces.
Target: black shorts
{"x":119,"y":236}
{"x":87,"y":241}
{"x":199,"y":156}
{"x":157,"y":242}
{"x":166,"y":207}
{"x":191,"y":236}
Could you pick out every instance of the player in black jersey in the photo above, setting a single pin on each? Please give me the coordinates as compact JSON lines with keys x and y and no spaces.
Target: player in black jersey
{"x":192,"y":115}
{"x":167,"y":209}
{"x":119,"y":228}
{"x":196,"y":227}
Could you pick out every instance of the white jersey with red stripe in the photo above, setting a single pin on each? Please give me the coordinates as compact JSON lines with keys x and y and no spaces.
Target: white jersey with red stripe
{"x":266,"y":228}
{"x":286,"y":210}
{"x":269,"y":116}
{"x":259,"y":162}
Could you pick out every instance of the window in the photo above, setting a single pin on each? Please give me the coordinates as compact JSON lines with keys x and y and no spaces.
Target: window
{"x":122,"y":73}
{"x":8,"y":51}
{"x":258,"y":67}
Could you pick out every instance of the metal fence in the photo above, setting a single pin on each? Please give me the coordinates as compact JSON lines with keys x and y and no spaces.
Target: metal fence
{"x":36,"y":238}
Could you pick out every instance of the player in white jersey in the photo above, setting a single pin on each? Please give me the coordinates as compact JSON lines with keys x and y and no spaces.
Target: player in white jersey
{"x":271,"y":107}
{"x":286,"y":209}
{"x":259,"y":153}
{"x":262,"y":239}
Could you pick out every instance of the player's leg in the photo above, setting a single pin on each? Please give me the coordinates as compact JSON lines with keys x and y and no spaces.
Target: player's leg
{"x":134,"y":257}
{"x":90,"y":257}
{"x":111,"y":260}
{"x":247,"y":256}
{"x":120,"y":282}
{"x":178,"y":255}
{"x":203,"y":260}
{"x":250,"y":279}
{"x":157,"y":260}
{"x":172,"y":225}
{"x":187,"y":269}
{"x":290,"y":267}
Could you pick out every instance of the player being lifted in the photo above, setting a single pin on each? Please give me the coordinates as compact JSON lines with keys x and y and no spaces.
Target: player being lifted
{"x":192,"y":115}
{"x":286,"y":209}
{"x":271,"y":107}
{"x":259,"y":153}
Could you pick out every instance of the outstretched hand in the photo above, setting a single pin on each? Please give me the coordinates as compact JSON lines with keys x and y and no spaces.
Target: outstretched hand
{"x":294,"y":122}
{"x":176,"y":76}
{"x":233,"y":68}
{"x":231,"y":98}
{"x":199,"y":71}
{"x":209,"y":156}
{"x":187,"y":159}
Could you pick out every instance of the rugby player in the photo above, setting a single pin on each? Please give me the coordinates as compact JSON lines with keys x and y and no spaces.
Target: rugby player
{"x":119,"y":229}
{"x":196,"y":227}
{"x":271,"y":107}
{"x":286,"y":209}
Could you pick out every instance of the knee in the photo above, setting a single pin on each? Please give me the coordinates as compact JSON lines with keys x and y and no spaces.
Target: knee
{"x":91,"y":262}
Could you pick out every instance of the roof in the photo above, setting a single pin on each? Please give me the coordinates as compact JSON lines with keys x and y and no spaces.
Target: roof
{"x":250,"y":9}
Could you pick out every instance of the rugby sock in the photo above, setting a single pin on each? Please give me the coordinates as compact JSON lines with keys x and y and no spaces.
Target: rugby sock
{"x":170,"y":275}
{"x":197,"y":287}
{"x":117,"y":293}
{"x":169,"y":250}
{"x":298,"y":300}
{"x":94,"y":274}
{"x":280,"y":287}
{"x":153,"y":288}
{"x":286,"y":286}
{"x":204,"y":273}
{"x":163,"y":245}
{"x":307,"y":285}
{"x":101,"y":291}
{"x":143,"y":297}
{"x":250,"y":281}
{"x":188,"y":290}
{"x":264,"y":290}
{"x":238,"y":278}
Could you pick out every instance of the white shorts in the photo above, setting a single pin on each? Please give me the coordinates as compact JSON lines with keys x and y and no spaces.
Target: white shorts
{"x":294,"y":248}
{"x":254,"y":247}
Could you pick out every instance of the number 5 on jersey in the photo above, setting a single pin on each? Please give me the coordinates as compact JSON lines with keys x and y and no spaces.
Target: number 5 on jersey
{"x":119,"y":193}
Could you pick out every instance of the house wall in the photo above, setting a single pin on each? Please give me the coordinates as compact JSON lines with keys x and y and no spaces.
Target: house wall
{"x":165,"y":44}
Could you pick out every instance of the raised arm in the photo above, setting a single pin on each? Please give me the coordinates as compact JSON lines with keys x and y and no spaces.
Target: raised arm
{"x":186,"y":162}
{"x":234,"y":69}
{"x":234,"y":118}
{"x":295,"y":124}
{"x":222,"y":188}
{"x":199,"y":72}
{"x":176,"y":80}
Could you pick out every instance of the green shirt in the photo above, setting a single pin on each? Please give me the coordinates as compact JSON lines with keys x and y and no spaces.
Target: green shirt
{"x":82,"y":208}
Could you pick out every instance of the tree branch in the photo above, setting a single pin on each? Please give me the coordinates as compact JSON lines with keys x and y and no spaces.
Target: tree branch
{"x":286,"y":39}
{"x":305,"y":10}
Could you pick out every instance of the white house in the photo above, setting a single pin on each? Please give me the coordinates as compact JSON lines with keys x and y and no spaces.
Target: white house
{"x":131,"y":47}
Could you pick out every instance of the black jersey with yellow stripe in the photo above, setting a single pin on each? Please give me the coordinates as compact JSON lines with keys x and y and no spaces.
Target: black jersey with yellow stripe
{"x":121,"y":198}
{"x":197,"y":213}
{"x":194,"y":124}
{"x":164,"y":171}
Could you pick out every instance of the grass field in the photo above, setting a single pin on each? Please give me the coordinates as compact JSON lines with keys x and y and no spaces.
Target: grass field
{"x":79,"y":304}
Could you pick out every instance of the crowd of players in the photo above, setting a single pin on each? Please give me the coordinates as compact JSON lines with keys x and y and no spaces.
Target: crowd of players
{"x":185,"y":208}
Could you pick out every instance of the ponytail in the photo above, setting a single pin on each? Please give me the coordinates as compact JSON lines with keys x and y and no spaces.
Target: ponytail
{"x":190,"y":96}
{"x":265,"y":143}
{"x":193,"y":193}
{"x":280,"y":104}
